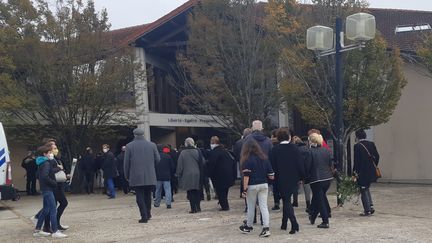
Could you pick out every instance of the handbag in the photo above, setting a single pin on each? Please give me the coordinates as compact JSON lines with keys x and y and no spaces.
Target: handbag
{"x":377,"y":170}
{"x":60,"y":176}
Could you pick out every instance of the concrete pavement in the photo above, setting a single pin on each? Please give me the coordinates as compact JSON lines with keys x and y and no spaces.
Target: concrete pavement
{"x":404,"y":214}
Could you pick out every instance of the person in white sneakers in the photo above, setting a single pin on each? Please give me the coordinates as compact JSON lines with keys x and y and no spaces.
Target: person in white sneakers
{"x":47,"y":182}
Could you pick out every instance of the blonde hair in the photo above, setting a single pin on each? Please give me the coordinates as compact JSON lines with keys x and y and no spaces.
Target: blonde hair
{"x":315,"y":138}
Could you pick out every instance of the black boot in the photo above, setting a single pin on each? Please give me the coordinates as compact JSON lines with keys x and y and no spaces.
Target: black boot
{"x":323,"y":225}
{"x":307,"y":206}
{"x":284,"y":225}
{"x":294,"y":228}
{"x":192,"y":206}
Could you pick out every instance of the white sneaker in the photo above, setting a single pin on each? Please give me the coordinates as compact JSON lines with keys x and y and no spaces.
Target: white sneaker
{"x":40,"y":233}
{"x":64,"y":227}
{"x":59,"y":234}
{"x":34,"y":219}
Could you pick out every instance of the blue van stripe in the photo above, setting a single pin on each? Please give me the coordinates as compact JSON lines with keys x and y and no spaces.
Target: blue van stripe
{"x":2,"y":161}
{"x":2,"y":157}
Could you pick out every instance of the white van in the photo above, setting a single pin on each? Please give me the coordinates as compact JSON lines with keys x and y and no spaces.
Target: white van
{"x":7,"y":191}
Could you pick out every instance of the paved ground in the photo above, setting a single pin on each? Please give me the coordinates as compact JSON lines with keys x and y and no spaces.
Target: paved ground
{"x":404,"y":214}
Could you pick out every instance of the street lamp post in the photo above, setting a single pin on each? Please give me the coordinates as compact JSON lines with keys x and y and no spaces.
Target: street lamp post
{"x":339,"y":94}
{"x":360,"y":27}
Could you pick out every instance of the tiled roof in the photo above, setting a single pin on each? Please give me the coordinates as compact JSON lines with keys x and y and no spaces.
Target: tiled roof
{"x":129,"y":35}
{"x":126,"y":36}
{"x":386,"y":19}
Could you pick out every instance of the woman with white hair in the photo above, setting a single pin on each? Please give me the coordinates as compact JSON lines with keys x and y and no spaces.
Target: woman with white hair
{"x":190,"y":173}
{"x":319,"y":175}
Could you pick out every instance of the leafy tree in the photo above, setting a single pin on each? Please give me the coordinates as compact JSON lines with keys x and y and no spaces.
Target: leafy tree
{"x":230,"y":63}
{"x":373,"y":78}
{"x":424,"y":51}
{"x":17,"y":20}
{"x":73,"y":78}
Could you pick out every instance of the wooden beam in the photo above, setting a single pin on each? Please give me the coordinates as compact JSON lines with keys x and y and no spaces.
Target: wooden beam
{"x":166,"y":37}
{"x":169,"y":44}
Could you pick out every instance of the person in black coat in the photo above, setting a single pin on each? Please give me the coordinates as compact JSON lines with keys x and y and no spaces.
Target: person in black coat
{"x":48,"y":185}
{"x":222,"y":170}
{"x":365,"y":156}
{"x":59,"y":192}
{"x":276,"y":193}
{"x":286,"y":163}
{"x":164,"y":170}
{"x":206,"y":185}
{"x":305,"y":160}
{"x":319,"y":175}
{"x":87,"y":168}
{"x":123,"y":183}
{"x":109,"y":170}
{"x":237,"y":152}
{"x":29,"y":164}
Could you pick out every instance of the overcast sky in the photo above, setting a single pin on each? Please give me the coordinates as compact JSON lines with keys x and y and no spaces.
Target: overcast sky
{"x":124,"y":13}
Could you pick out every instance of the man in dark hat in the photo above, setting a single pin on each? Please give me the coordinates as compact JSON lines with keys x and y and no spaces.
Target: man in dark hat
{"x":141,"y":157}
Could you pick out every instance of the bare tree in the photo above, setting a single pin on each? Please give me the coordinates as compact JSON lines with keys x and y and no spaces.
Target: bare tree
{"x":230,"y":63}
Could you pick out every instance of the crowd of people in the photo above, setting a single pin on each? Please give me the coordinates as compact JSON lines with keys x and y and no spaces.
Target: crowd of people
{"x":153,"y":172}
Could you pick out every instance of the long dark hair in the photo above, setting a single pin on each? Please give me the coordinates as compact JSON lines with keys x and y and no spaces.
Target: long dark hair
{"x":250,"y":146}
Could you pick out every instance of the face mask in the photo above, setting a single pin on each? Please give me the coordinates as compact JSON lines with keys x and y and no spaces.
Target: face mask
{"x":212,"y":146}
{"x":55,"y":152}
{"x":105,"y":150}
{"x":50,"y":156}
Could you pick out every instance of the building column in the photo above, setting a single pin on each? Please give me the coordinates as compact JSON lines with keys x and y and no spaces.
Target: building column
{"x":283,"y":116}
{"x":141,"y":93}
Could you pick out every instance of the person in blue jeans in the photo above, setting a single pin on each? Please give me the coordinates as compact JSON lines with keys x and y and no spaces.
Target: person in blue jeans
{"x":164,"y":170}
{"x":48,"y":184}
{"x":109,"y":170}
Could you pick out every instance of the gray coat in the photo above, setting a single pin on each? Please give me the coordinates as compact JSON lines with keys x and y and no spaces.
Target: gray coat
{"x":141,"y":157}
{"x":189,"y":169}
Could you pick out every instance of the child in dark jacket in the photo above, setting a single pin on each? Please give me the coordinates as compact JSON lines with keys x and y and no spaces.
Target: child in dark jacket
{"x":164,"y":170}
{"x":47,"y":184}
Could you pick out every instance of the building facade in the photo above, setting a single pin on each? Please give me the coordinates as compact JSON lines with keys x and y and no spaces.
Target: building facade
{"x":402,"y":142}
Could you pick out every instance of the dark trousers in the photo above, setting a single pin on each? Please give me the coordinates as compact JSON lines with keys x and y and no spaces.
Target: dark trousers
{"x":60,"y":198}
{"x":366,"y":198}
{"x":276,"y":194}
{"x":206,"y":188}
{"x":143,"y":200}
{"x":295,"y":196}
{"x":288,"y":211}
{"x":89,"y":179}
{"x":222,"y":193}
{"x":123,"y":184}
{"x":31,"y":185}
{"x":319,"y":200}
{"x":174,"y":185}
{"x":194,"y":197}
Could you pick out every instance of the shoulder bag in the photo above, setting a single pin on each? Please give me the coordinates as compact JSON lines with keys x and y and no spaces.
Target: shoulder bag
{"x":60,"y":176}
{"x":377,"y":170}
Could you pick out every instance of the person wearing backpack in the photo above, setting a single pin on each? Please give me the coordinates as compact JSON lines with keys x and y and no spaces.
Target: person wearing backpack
{"x":222,"y":170}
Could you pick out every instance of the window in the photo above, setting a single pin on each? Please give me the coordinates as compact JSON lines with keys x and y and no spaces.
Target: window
{"x":409,"y":28}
